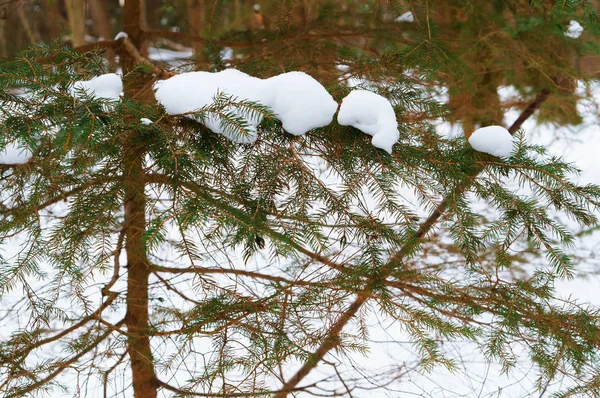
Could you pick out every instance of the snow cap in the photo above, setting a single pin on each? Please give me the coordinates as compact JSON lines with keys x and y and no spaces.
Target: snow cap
{"x":372,"y":114}
{"x":108,"y":87}
{"x":494,"y":140}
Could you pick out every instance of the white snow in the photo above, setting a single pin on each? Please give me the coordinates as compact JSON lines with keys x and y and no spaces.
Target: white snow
{"x":300,"y":102}
{"x":121,"y":35}
{"x":372,"y":114}
{"x":406,"y":17}
{"x":14,"y":154}
{"x":226,"y":54}
{"x":574,"y":30}
{"x":145,"y":121}
{"x":108,"y":86}
{"x":494,"y":140}
{"x":189,"y":92}
{"x":295,"y":98}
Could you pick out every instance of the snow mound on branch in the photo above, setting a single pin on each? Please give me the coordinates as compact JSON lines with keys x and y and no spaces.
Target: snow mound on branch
{"x":574,"y":30}
{"x":121,"y":35}
{"x":108,"y":86}
{"x":372,"y":114}
{"x":494,"y":140}
{"x":14,"y":154}
{"x":406,"y":17}
{"x":295,"y":98}
{"x":145,"y":121}
{"x":189,"y":92}
{"x":300,"y":102}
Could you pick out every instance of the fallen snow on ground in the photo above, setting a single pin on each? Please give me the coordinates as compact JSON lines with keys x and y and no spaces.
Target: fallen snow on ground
{"x":495,"y":140}
{"x":298,"y":100}
{"x":372,"y":114}
{"x":14,"y":154}
{"x":108,"y":86}
{"x":574,"y":30}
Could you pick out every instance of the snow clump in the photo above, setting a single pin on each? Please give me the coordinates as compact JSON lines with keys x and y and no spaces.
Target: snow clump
{"x":14,"y":154}
{"x":295,"y":98}
{"x":300,"y":102}
{"x":108,"y":87}
{"x":406,"y":17}
{"x":494,"y":140}
{"x":145,"y":121}
{"x":574,"y":30}
{"x":372,"y":114}
{"x":192,"y":91}
{"x":121,"y":35}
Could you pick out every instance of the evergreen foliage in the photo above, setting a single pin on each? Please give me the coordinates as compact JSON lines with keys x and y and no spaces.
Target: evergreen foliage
{"x":266,"y":257}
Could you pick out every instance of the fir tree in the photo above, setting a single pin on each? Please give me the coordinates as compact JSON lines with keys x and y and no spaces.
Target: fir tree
{"x":132,"y":245}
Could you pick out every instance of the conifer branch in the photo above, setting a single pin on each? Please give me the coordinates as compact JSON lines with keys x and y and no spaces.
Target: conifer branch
{"x":137,"y":56}
{"x":202,"y":192}
{"x":64,"y":364}
{"x":332,"y":338}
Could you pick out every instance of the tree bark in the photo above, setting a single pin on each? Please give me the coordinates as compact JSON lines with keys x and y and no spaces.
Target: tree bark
{"x":26,"y":25}
{"x":196,"y":10}
{"x":145,"y":383}
{"x":144,"y":380}
{"x":3,"y":51}
{"x":99,"y":14}
{"x":76,"y":15}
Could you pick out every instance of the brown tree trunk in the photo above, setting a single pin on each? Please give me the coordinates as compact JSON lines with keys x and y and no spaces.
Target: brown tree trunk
{"x":25,"y":23}
{"x":76,"y":15}
{"x":3,"y":51}
{"x":196,"y":9}
{"x":99,"y":14}
{"x":144,"y":380}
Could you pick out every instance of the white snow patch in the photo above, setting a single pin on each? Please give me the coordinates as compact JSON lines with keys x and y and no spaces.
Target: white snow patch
{"x":121,"y":35}
{"x":226,"y":54}
{"x":494,"y":140}
{"x":189,"y":92}
{"x":300,"y":102}
{"x":406,"y":17}
{"x":295,"y":98}
{"x":145,"y":121}
{"x":372,"y":114}
{"x":14,"y":154}
{"x":574,"y":30}
{"x":108,"y":86}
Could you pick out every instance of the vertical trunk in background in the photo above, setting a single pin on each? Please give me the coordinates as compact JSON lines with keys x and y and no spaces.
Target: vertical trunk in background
{"x":144,"y":380}
{"x":102,"y":26}
{"x":152,"y":13}
{"x":237,"y":14}
{"x":3,"y":52}
{"x":52,"y":24}
{"x":196,"y":10}
{"x":76,"y":15}
{"x":99,"y":14}
{"x":25,"y":23}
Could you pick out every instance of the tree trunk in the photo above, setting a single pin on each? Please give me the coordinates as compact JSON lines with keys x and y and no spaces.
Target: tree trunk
{"x":25,"y":23}
{"x":76,"y":15}
{"x":99,"y":14}
{"x":145,"y":382}
{"x":195,"y":20}
{"x":3,"y":51}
